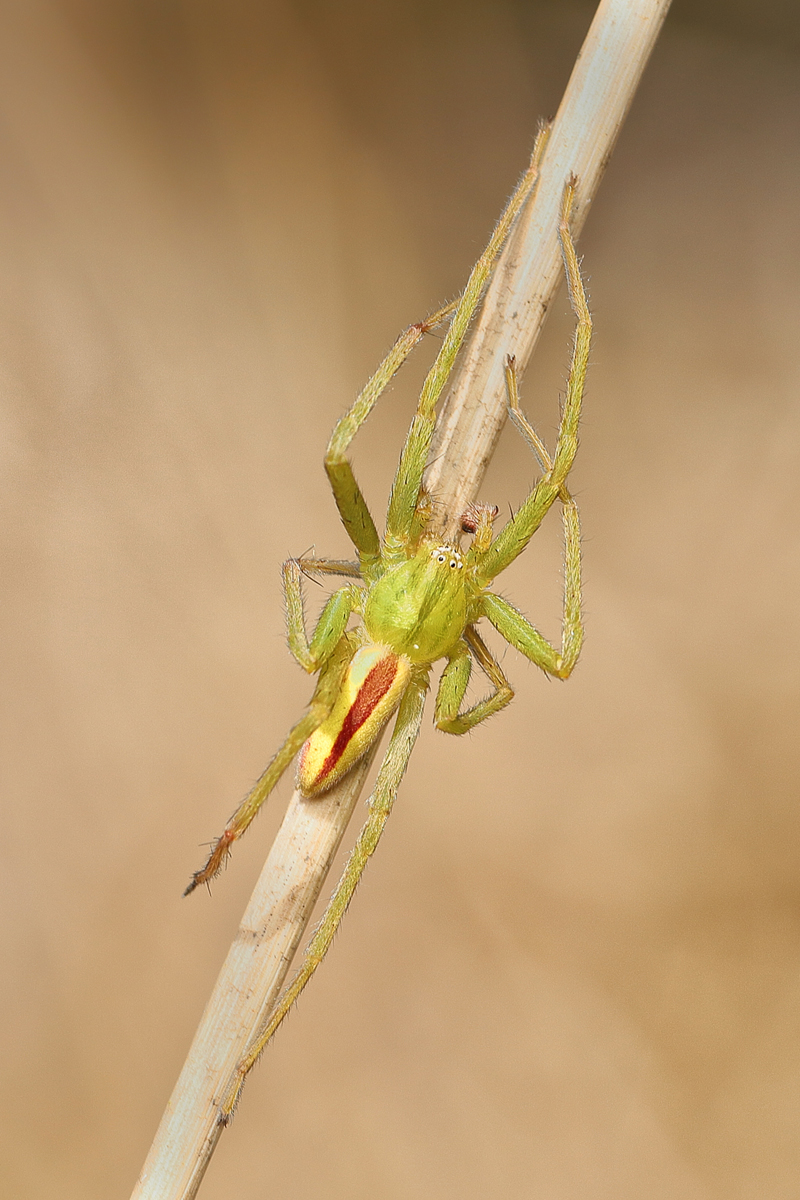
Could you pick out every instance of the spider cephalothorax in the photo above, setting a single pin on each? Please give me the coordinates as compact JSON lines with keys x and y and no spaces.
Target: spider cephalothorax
{"x":419,"y":607}
{"x":416,"y":599}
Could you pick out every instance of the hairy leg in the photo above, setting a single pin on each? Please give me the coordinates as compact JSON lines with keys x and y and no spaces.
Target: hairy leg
{"x":414,"y":456}
{"x":572,"y":627}
{"x":329,"y":628}
{"x":322,"y":701}
{"x":518,"y":630}
{"x":453,"y":686}
{"x":515,"y":535}
{"x":349,"y":498}
{"x":328,"y":566}
{"x":392,"y":769}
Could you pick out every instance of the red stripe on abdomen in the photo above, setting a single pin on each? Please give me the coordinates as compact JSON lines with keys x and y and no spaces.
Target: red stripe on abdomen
{"x":369,"y":695}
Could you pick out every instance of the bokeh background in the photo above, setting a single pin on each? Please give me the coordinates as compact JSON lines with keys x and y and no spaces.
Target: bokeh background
{"x":572,"y":970}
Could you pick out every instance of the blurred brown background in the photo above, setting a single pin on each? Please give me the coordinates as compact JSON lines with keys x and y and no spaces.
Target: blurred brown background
{"x":572,"y":971}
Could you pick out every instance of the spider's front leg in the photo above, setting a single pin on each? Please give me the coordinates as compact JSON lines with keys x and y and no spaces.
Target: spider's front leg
{"x":353,"y":508}
{"x":515,"y":628}
{"x":407,"y":485}
{"x":516,"y":534}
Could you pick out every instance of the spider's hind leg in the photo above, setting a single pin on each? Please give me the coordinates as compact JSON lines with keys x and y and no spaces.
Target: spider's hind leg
{"x":404,"y":735}
{"x":322,"y":701}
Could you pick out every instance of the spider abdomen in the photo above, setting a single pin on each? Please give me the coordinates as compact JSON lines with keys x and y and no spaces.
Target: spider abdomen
{"x":370,"y":692}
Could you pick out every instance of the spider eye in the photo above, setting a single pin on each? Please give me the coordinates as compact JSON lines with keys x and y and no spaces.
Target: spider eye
{"x":453,"y":562}
{"x":440,"y":558}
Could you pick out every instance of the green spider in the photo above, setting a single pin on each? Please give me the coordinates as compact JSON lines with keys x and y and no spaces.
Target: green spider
{"x":417,"y":598}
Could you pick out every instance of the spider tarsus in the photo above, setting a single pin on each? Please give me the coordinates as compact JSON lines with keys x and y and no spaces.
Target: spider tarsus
{"x":215,"y":863}
{"x":227,"y":1108}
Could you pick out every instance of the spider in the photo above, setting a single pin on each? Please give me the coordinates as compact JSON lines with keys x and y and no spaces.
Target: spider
{"x":417,"y":598}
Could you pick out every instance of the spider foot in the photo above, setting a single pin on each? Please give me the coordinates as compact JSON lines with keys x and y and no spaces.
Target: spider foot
{"x":216,"y":861}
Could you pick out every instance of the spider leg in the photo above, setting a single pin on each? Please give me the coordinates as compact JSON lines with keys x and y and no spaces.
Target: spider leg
{"x":322,"y":701}
{"x":453,"y":686}
{"x":329,"y":650}
{"x":331,"y":624}
{"x":515,"y":535}
{"x":572,"y":633}
{"x":349,"y":498}
{"x":518,"y":630}
{"x":391,"y":772}
{"x":519,"y":419}
{"x":329,"y":566}
{"x":414,"y":456}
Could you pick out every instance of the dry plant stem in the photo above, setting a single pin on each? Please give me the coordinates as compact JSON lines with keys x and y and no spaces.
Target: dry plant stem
{"x":248,"y":985}
{"x":599,"y":93}
{"x":529,"y":270}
